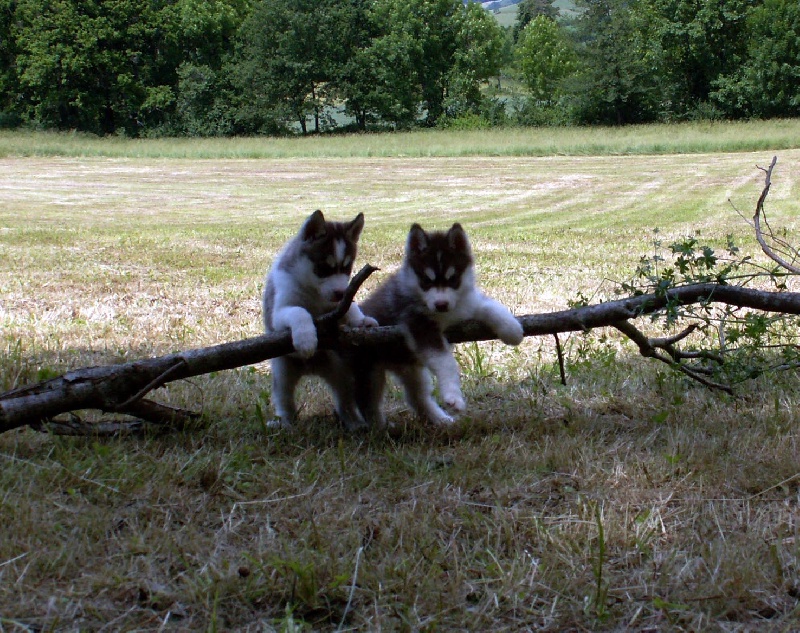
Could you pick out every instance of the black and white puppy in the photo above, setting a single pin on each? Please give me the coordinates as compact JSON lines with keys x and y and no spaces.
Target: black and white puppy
{"x":307,"y":279}
{"x":434,"y":289}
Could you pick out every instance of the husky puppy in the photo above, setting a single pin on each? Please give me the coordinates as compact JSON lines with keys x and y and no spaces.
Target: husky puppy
{"x":434,"y":289}
{"x":307,"y":279}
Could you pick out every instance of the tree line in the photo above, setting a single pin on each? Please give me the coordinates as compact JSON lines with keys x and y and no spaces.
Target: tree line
{"x":236,"y":67}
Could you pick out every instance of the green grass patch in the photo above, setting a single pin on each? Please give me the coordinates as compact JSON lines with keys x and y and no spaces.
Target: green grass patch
{"x":683,"y":138}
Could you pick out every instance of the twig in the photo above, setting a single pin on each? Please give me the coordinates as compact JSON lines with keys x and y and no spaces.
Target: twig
{"x":560,"y":355}
{"x":352,"y":589}
{"x":331,"y":319}
{"x":157,"y":382}
{"x":157,"y":413}
{"x":649,"y":349}
{"x":757,"y":219}
{"x":777,"y":485}
{"x":13,"y":560}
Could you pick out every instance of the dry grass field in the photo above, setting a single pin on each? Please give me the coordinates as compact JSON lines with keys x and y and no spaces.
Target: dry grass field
{"x":629,"y":499}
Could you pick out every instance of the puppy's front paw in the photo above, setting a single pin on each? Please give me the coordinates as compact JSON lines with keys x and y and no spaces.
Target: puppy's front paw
{"x":361,"y":321}
{"x":454,"y":401}
{"x":369,"y":322}
{"x":304,"y":341}
{"x":510,"y":331}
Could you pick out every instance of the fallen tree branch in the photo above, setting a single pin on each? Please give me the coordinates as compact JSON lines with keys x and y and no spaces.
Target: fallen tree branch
{"x":121,"y":388}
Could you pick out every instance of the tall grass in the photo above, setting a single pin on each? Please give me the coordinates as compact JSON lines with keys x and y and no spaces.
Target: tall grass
{"x":701,"y":137}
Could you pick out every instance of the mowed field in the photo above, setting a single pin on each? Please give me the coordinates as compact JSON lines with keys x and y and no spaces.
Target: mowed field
{"x":628,"y":499}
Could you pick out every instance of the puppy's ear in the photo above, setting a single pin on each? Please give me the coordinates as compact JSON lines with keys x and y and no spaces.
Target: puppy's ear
{"x":457,"y":238}
{"x":314,"y":228}
{"x":354,"y":228}
{"x":417,"y":239}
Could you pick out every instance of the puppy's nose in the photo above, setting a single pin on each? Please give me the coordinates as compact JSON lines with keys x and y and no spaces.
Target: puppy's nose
{"x":441,"y":306}
{"x":337,"y":295}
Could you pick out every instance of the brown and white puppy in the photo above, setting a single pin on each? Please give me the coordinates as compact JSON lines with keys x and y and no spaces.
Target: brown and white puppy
{"x":434,"y":289}
{"x":307,"y":279}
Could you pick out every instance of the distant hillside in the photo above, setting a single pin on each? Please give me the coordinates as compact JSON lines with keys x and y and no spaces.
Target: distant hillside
{"x":496,"y":5}
{"x":506,"y":10}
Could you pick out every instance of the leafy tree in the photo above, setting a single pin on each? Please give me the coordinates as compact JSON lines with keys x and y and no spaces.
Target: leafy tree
{"x":204,"y":103}
{"x":8,"y":78}
{"x":656,"y":59}
{"x":286,"y":58}
{"x":110,"y":66}
{"x":68,"y":54}
{"x":205,"y":28}
{"x":424,"y":33}
{"x":357,"y":78}
{"x":202,"y":92}
{"x":693,"y":43}
{"x":767,"y":84}
{"x":528,"y":10}
{"x":477,"y":58}
{"x":376,"y":79}
{"x":435,"y":53}
{"x":545,"y":56}
{"x":615,"y":84}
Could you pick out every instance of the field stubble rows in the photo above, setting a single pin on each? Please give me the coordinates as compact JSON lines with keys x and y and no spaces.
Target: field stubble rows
{"x":626,"y":499}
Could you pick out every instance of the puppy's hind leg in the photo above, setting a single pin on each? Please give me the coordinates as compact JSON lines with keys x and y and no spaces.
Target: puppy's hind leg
{"x":286,"y":373}
{"x":343,"y":386}
{"x":370,"y":386}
